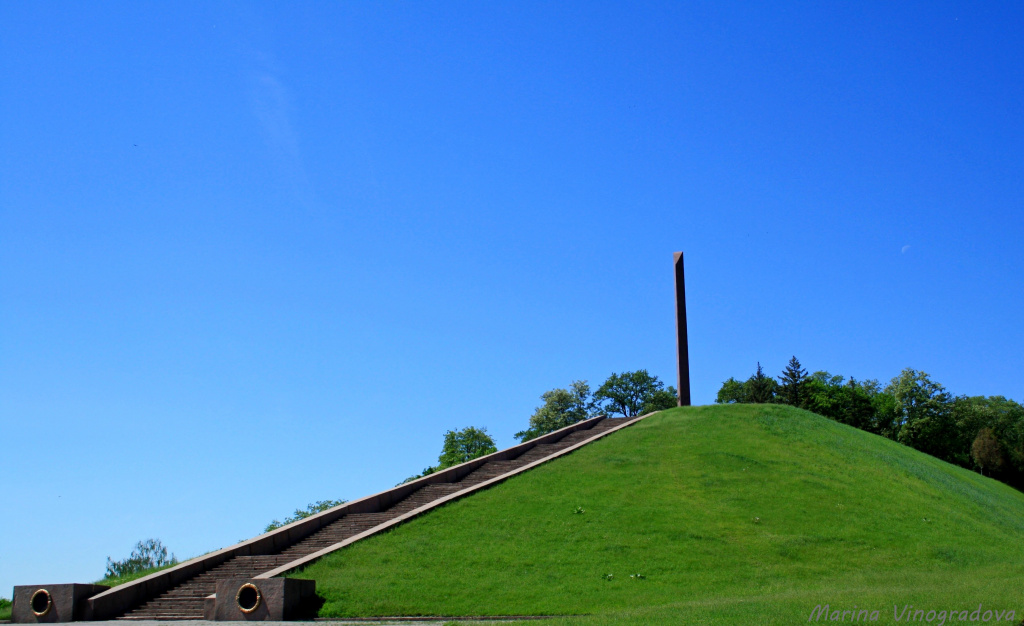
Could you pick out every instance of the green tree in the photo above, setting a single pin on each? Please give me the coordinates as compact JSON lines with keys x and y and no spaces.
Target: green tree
{"x":459,"y":446}
{"x":732,"y":391}
{"x":629,"y":393}
{"x":986,"y":452}
{"x":562,"y":407}
{"x":858,"y":409}
{"x":311,"y":509}
{"x":926,"y":419}
{"x":760,"y":388}
{"x":887,"y":414}
{"x":971,"y":415}
{"x":822,"y":393}
{"x":148,"y":554}
{"x":661,"y":400}
{"x":791,"y":383}
{"x":465,"y":445}
{"x":1008,"y":425}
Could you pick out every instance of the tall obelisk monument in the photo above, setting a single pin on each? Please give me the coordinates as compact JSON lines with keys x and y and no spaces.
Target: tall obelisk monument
{"x":682,"y":347}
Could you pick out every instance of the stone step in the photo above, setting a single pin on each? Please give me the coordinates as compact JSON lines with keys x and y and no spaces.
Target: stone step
{"x":186,"y":600}
{"x":162,"y":618}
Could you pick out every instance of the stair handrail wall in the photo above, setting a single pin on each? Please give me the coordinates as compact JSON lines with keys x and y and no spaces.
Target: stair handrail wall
{"x":122,"y":598}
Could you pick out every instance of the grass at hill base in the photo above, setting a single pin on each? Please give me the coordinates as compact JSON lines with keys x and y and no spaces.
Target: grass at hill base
{"x":5,"y":609}
{"x":727,"y":513}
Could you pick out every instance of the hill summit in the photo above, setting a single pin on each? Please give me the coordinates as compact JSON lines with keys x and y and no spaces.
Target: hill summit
{"x":709,"y":514}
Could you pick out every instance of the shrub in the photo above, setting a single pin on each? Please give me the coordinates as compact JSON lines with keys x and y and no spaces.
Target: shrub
{"x":148,"y":554}
{"x":311,"y":509}
{"x":562,"y":407}
{"x":732,"y":391}
{"x":459,"y":446}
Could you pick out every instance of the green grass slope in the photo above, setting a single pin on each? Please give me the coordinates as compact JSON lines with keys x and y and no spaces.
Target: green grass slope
{"x":113,"y":581}
{"x":728,"y":512}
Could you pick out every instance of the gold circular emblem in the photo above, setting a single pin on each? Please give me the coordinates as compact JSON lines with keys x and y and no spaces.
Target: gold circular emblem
{"x":248,"y":598}
{"x":41,"y":602}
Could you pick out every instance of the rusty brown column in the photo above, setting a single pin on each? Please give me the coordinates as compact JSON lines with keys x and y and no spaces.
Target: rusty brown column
{"x":682,"y":346}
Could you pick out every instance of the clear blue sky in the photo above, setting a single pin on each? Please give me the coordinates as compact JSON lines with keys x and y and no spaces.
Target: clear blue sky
{"x":253,"y":256}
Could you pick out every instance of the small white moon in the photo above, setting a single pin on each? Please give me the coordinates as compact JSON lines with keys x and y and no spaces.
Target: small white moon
{"x":904,"y":249}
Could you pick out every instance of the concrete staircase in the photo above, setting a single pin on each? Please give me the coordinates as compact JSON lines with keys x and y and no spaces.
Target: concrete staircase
{"x":185,"y":601}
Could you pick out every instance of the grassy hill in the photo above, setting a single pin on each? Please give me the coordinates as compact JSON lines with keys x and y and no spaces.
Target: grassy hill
{"x":729,"y":513}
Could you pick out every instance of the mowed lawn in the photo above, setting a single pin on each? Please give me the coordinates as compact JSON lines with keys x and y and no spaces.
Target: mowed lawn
{"x":720,"y":514}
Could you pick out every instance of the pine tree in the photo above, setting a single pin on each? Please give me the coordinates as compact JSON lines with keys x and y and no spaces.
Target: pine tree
{"x":761,"y":388}
{"x":792,"y":383}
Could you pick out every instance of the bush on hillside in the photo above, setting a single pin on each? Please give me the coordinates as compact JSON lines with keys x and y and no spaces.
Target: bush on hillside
{"x":312,"y":509}
{"x":465,"y":445}
{"x":430,"y":469}
{"x":148,"y":554}
{"x":562,"y":407}
{"x":459,"y":446}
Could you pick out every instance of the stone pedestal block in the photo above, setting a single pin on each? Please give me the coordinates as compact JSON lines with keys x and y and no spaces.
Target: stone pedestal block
{"x":35,"y":604}
{"x":260,"y":599}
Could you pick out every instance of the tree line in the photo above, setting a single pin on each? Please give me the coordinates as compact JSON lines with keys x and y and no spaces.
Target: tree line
{"x":627,"y":395}
{"x":981,"y":433}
